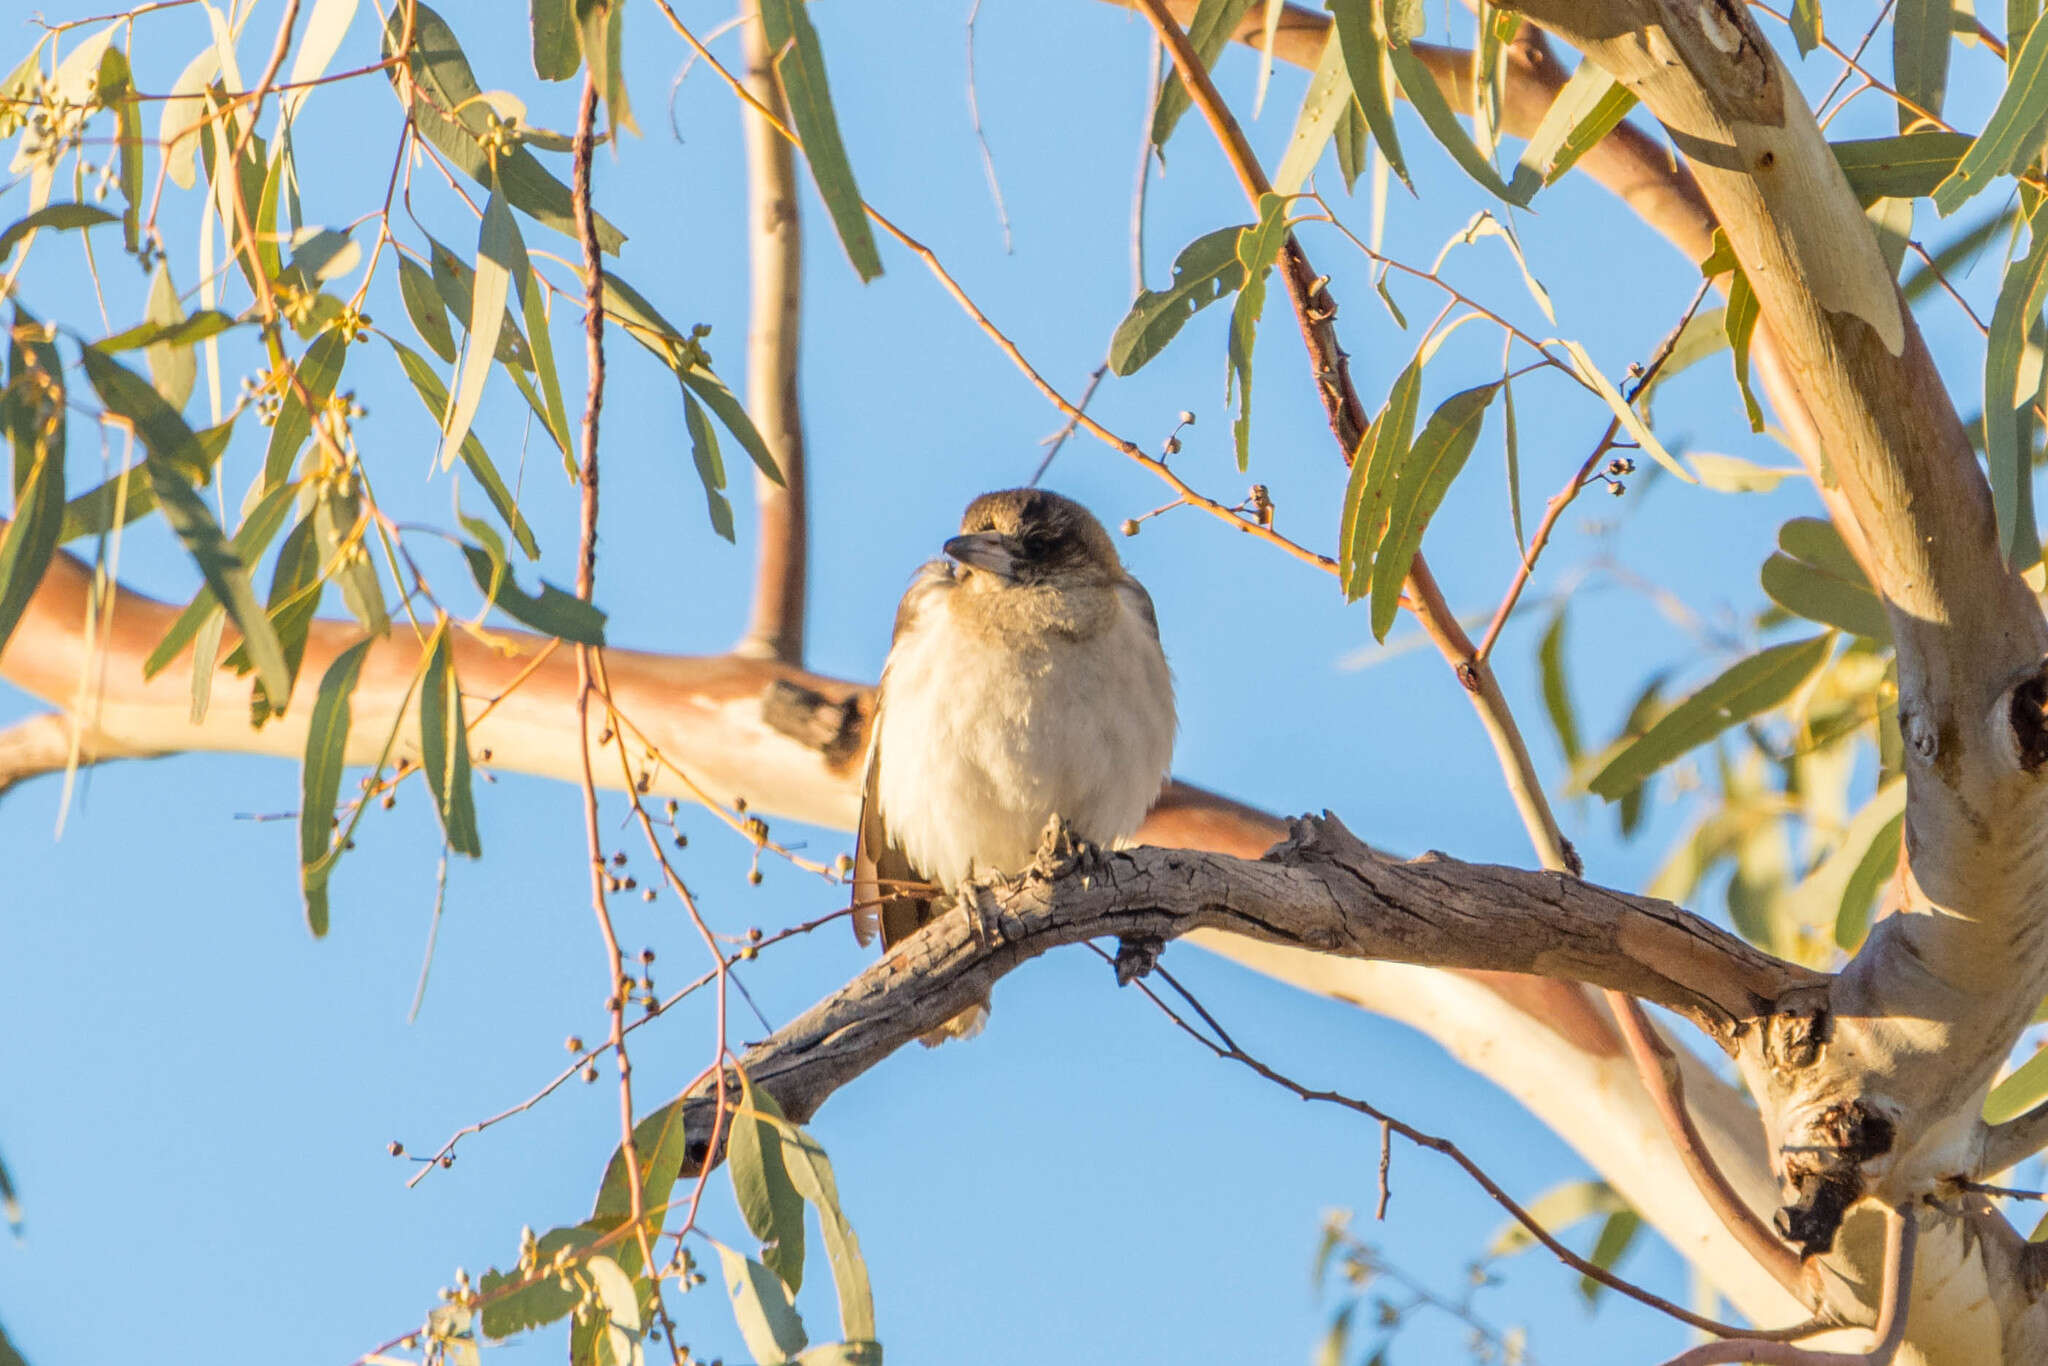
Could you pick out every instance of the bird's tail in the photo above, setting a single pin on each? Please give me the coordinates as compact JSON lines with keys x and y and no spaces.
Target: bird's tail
{"x":965,"y":1025}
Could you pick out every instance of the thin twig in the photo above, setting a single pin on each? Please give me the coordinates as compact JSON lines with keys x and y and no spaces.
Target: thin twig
{"x":616,"y":983}
{"x":988,"y":161}
{"x":1059,"y":438}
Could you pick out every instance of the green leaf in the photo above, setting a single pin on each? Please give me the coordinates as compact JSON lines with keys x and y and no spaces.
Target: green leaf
{"x":556,"y":54}
{"x":1208,"y":33}
{"x":1557,"y":693}
{"x":444,"y":747}
{"x":600,"y":35}
{"x":1364,"y":44}
{"x":1958,"y":255}
{"x":720,"y":400}
{"x":554,"y":612}
{"x":188,"y":332}
{"x":58,"y":216}
{"x":1815,"y":577}
{"x":428,"y":386}
{"x":336,"y":513}
{"x":767,"y":1199}
{"x":710,"y":467}
{"x":296,"y":588}
{"x":316,"y":373}
{"x":1437,"y":116}
{"x":1806,"y":25}
{"x":1256,"y":247}
{"x":619,"y":1299}
{"x":1621,"y":1227}
{"x":1732,"y":474}
{"x":1440,"y":451}
{"x":2014,"y":133}
{"x":661,"y":1144}
{"x":117,"y":92}
{"x":800,"y":66}
{"x":1354,"y":143}
{"x":1557,"y":1209}
{"x":1739,"y":319}
{"x":172,"y":368}
{"x":1584,"y":111}
{"x":810,"y":1171}
{"x":1752,"y":686}
{"x":424,"y":307}
{"x":1631,"y":421}
{"x":320,"y":779}
{"x":496,"y":241}
{"x":2019,"y":1092}
{"x":533,"y":304}
{"x":175,"y":457}
{"x":1880,"y":859}
{"x":28,"y":542}
{"x":1904,"y":167}
{"x":1367,"y":496}
{"x":1206,"y":270}
{"x":251,"y":539}
{"x":767,"y":1319}
{"x":1921,"y":34}
{"x":2008,"y":442}
{"x":507,"y":1312}
{"x":444,"y":84}
{"x":1325,"y":102}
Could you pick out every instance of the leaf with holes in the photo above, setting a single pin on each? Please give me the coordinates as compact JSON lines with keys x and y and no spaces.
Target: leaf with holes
{"x":1206,"y":270}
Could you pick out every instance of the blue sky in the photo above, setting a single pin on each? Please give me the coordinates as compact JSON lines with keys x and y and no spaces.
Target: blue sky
{"x":199,"y":1095}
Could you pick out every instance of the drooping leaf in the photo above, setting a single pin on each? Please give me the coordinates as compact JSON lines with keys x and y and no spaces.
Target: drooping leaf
{"x":1557,"y":693}
{"x":58,"y":217}
{"x":172,"y":368}
{"x":554,"y":414}
{"x":320,"y":778}
{"x":1806,"y":25}
{"x":800,"y":66}
{"x":1754,"y":685}
{"x":445,"y":84}
{"x":768,"y":1201}
{"x":761,"y":1303}
{"x":1256,"y":247}
{"x":1584,"y":111}
{"x":1739,"y":318}
{"x":2015,"y":132}
{"x":259,"y":527}
{"x":1354,"y":143}
{"x":600,"y":35}
{"x":1619,"y":1230}
{"x":496,"y":241}
{"x":685,"y":357}
{"x":1631,"y":421}
{"x":33,"y":409}
{"x":1814,"y":576}
{"x":313,"y":381}
{"x":1880,"y":858}
{"x":1206,"y":270}
{"x":428,"y":386}
{"x":1369,"y":493}
{"x":1209,"y":33}
{"x":1362,"y":39}
{"x":117,"y":92}
{"x":296,"y":587}
{"x":1908,"y":166}
{"x":556,"y":54}
{"x":175,"y":458}
{"x":423,"y":305}
{"x":336,"y":512}
{"x":1323,"y":105}
{"x":554,"y":612}
{"x":1437,"y":115}
{"x":1922,"y":31}
{"x":710,"y":465}
{"x":2008,"y":440}
{"x":1439,"y":452}
{"x":810,"y":1171}
{"x":444,"y":747}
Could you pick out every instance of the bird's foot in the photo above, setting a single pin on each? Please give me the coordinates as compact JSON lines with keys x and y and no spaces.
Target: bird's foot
{"x":977,"y":902}
{"x":1136,"y":956}
{"x":1061,"y":851}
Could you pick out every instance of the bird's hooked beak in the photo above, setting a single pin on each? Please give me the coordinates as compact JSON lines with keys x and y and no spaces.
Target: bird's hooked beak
{"x":990,"y":551}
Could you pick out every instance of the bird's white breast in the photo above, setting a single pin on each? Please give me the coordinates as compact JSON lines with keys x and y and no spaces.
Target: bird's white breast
{"x":981,"y":741}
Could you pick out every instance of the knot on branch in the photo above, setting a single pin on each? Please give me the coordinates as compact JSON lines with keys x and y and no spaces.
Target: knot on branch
{"x":2027,"y":711}
{"x":1319,"y":838}
{"x":1826,"y":1172}
{"x":1136,"y":956}
{"x":836,"y":730}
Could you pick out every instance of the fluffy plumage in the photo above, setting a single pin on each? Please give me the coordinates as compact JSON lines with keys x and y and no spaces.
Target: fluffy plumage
{"x":1025,"y":681}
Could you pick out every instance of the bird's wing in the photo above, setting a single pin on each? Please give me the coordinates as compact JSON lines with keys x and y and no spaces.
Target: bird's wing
{"x":1140,"y":601}
{"x":880,"y":867}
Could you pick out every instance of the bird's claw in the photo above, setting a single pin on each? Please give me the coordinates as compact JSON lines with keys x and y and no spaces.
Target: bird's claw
{"x":1136,"y":956}
{"x":1061,"y":851}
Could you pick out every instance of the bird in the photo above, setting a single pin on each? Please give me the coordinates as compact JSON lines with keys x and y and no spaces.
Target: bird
{"x":1025,"y":680}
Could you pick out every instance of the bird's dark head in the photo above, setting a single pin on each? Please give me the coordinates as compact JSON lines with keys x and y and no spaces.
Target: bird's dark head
{"x":1030,"y":537}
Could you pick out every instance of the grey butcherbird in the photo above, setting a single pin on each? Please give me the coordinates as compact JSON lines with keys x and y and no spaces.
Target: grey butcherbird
{"x":1025,"y":681}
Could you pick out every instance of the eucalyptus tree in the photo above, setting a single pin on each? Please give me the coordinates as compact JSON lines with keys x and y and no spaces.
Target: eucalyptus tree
{"x":1867,"y":778}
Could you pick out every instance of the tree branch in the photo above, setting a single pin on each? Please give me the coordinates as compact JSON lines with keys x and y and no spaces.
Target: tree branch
{"x":1322,"y":890}
{"x":775,"y":629}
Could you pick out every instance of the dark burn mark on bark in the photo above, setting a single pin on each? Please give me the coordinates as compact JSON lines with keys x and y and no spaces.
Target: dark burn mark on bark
{"x":1826,"y":1173}
{"x":2029,"y":714}
{"x":836,"y":730}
